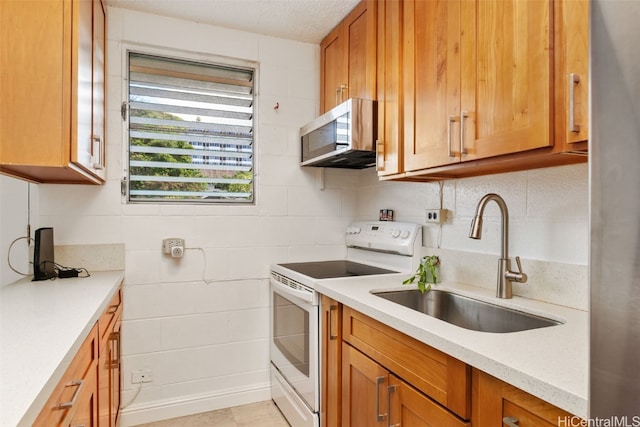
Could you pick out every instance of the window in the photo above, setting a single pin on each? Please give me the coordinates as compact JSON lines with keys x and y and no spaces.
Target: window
{"x":190,"y":131}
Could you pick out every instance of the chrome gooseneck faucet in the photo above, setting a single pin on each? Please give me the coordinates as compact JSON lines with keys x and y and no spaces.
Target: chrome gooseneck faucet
{"x":505,"y":275}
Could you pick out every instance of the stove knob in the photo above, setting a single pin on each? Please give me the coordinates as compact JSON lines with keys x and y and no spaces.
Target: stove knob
{"x":395,"y":233}
{"x":404,"y":234}
{"x":356,"y":230}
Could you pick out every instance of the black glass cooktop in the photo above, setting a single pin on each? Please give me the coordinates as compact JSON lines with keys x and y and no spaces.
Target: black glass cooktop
{"x":334,"y":269}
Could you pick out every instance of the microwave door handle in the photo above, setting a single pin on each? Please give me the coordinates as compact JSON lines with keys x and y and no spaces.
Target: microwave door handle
{"x":303,"y":295}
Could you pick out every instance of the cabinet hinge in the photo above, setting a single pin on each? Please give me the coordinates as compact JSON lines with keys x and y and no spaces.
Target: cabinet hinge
{"x":123,"y":186}
{"x":123,"y":111}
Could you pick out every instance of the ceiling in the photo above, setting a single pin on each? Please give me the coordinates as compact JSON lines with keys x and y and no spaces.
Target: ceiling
{"x":302,"y":20}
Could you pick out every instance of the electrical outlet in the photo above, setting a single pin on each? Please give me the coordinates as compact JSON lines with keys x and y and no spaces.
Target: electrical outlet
{"x":173,"y":247}
{"x":141,"y":376}
{"x":436,"y":216}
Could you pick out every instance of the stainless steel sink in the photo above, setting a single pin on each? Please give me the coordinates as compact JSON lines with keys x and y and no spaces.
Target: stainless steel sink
{"x":467,"y":312}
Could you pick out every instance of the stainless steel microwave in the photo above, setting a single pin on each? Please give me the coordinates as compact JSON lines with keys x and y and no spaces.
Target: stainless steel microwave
{"x":343,"y":137}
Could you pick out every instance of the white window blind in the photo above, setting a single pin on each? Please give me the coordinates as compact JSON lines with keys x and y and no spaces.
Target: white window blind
{"x":190,"y":131}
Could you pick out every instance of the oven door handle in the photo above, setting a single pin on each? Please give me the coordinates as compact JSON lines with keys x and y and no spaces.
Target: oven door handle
{"x":284,"y":289}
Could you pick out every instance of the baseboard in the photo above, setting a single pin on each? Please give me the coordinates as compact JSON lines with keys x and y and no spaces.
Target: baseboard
{"x":189,"y":405}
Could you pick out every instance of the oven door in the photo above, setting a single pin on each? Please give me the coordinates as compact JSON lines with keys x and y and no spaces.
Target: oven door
{"x":294,"y":340}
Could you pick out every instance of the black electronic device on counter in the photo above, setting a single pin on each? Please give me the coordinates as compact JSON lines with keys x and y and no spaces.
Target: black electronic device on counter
{"x":44,"y":267}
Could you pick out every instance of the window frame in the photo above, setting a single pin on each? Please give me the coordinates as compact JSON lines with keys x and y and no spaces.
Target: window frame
{"x":196,"y":57}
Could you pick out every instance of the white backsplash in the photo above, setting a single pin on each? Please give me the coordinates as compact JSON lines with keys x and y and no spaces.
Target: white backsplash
{"x":105,"y":257}
{"x":555,"y":283}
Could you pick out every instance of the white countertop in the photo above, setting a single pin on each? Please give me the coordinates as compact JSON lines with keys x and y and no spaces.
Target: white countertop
{"x":42,"y":326}
{"x":550,"y":363}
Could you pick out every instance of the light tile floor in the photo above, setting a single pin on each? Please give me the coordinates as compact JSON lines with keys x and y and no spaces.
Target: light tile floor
{"x":262,"y":414}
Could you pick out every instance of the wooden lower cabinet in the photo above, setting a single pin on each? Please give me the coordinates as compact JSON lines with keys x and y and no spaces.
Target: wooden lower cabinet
{"x":109,"y":363}
{"x":374,"y":375}
{"x":364,"y":390}
{"x":496,"y":403}
{"x":443,"y":378}
{"x":372,"y":396}
{"x":75,"y":396}
{"x":89,"y":392}
{"x":330,"y":362}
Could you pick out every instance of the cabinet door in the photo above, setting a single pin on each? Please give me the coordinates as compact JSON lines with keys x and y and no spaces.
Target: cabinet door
{"x":431,"y":62}
{"x":333,"y":69}
{"x":572,"y":73}
{"x":82,"y":87}
{"x":98,"y":148}
{"x":364,"y":390}
{"x":348,"y":58}
{"x":506,"y":77}
{"x":115,"y":381}
{"x":409,"y":407}
{"x":389,"y":63}
{"x":360,"y":39}
{"x":104,"y":375}
{"x":331,"y":368}
{"x":31,"y":89}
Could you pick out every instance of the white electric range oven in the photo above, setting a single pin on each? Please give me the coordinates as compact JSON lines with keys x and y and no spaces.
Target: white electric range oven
{"x":373,"y":248}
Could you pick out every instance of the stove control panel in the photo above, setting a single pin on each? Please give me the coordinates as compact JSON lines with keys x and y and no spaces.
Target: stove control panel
{"x":384,"y":236}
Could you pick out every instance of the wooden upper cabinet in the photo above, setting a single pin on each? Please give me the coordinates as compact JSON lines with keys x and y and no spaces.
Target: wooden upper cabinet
{"x":348,"y":58}
{"x":389,"y":63}
{"x":48,"y":90}
{"x":431,"y":86}
{"x":507,"y":69}
{"x":490,"y":86}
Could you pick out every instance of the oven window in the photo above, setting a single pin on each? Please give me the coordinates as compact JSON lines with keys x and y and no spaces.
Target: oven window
{"x":291,"y":332}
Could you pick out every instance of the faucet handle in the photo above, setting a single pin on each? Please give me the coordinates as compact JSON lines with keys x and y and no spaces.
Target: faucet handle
{"x":519,"y":264}
{"x":518,"y":276}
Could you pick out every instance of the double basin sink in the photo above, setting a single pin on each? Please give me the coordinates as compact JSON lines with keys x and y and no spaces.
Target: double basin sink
{"x":467,"y":312}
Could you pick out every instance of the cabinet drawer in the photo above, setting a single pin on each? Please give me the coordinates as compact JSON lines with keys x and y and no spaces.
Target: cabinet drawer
{"x":497,"y":403}
{"x":105,"y":321}
{"x":440,"y":376}
{"x":80,"y":375}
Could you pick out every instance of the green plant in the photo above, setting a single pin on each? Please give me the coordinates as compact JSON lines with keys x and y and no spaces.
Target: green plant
{"x":427,"y":273}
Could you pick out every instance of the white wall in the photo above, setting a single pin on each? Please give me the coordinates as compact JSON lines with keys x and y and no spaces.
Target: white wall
{"x":207,"y":342}
{"x":14,"y":217}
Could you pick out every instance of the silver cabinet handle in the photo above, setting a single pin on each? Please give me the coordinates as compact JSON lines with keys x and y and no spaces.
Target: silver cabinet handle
{"x":115,"y":362}
{"x":379,"y":416}
{"x":113,"y":308}
{"x":96,"y":151}
{"x":452,"y":120}
{"x":332,"y":309}
{"x":379,"y":155}
{"x":390,"y":390}
{"x":339,"y":90}
{"x":574,"y":79}
{"x":510,"y":421}
{"x":463,"y":115}
{"x":69,"y":404}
